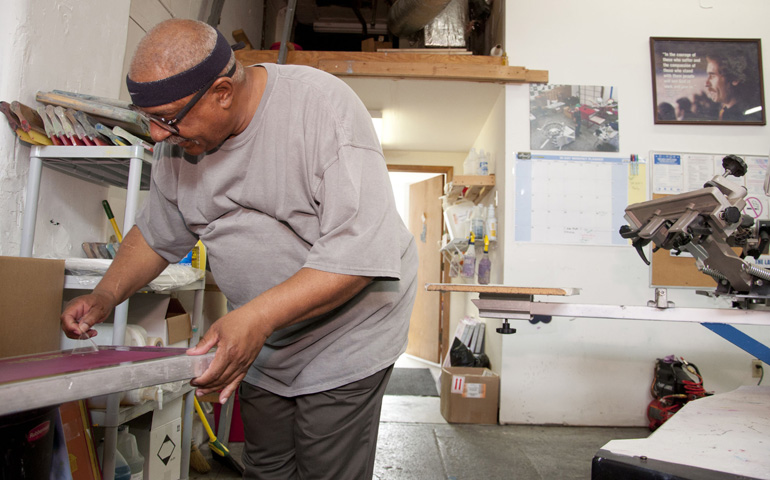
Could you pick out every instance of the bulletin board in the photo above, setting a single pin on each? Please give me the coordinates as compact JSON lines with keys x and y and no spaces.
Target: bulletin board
{"x":674,"y":173}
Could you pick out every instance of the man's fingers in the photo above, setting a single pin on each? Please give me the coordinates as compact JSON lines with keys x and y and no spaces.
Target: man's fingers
{"x":230,"y":389}
{"x":204,"y":345}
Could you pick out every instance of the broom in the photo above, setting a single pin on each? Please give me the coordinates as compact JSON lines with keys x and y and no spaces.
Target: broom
{"x":219,"y":452}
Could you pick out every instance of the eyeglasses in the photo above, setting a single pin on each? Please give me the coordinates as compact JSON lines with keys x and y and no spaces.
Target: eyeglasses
{"x":170,"y":124}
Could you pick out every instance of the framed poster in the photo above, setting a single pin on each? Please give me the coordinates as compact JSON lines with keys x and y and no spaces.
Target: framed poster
{"x":707,"y":81}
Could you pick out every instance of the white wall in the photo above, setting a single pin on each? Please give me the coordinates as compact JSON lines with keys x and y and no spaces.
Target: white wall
{"x":55,"y":45}
{"x":593,"y":371}
{"x":491,"y":138}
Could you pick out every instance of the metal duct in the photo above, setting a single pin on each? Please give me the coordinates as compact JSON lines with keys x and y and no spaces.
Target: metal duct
{"x":406,"y":17}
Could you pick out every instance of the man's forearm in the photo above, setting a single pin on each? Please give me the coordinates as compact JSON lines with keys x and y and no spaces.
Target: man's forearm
{"x":307,"y":294}
{"x":135,"y":265}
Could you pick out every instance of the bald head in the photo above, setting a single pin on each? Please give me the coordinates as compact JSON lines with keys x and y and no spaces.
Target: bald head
{"x":172,"y":47}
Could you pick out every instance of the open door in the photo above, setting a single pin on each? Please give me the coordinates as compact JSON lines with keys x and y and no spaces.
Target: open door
{"x":426,"y":224}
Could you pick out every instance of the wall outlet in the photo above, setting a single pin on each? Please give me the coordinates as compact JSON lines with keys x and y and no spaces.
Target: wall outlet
{"x":756,"y":368}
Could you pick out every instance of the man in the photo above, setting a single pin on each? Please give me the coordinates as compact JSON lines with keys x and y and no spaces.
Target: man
{"x":278,"y":170}
{"x":729,"y":84}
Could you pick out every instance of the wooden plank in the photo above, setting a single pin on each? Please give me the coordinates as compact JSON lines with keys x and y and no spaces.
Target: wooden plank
{"x":466,"y":180}
{"x":428,"y":51}
{"x":502,"y":289}
{"x":311,"y":58}
{"x":476,"y":68}
{"x":443,"y":71}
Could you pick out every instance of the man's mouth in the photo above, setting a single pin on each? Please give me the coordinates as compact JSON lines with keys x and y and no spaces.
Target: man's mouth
{"x":179,"y":140}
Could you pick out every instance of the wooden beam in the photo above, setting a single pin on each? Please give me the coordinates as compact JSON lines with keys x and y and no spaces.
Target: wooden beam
{"x":475,"y":68}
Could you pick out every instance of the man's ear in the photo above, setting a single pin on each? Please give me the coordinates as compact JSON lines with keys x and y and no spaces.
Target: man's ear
{"x":223,"y":90}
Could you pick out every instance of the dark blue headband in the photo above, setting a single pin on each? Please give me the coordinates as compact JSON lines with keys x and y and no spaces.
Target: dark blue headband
{"x":167,"y":90}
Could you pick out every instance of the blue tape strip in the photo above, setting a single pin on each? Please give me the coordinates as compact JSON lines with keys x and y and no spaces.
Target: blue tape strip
{"x":740,"y":340}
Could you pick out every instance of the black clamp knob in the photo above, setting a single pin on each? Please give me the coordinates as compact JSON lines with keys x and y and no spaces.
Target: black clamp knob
{"x":734,"y":165}
{"x":506,"y":328}
{"x":731,"y":215}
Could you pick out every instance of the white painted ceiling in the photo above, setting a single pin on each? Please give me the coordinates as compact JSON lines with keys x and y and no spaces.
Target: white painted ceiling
{"x":428,"y":115}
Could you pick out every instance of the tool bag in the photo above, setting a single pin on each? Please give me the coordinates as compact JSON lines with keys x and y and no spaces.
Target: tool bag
{"x":675,"y":382}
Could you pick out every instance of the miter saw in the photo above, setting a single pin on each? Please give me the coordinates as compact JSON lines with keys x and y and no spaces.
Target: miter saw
{"x":709,"y":224}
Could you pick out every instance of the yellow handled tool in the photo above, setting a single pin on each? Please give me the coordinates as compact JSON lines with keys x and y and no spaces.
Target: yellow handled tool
{"x":111,"y":217}
{"x":219,"y":452}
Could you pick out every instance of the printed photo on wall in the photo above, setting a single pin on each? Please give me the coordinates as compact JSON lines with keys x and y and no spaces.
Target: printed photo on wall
{"x":577,"y":118}
{"x":707,"y":81}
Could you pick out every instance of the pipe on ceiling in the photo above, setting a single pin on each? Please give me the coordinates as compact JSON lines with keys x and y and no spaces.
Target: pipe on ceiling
{"x":406,"y":17}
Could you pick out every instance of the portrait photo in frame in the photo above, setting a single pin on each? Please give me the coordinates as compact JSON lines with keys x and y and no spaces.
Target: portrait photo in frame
{"x":707,"y":81}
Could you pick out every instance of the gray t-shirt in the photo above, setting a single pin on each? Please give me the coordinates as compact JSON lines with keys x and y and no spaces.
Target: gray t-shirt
{"x":305,"y":185}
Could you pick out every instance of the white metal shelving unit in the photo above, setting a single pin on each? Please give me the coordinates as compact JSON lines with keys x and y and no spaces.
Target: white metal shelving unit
{"x":125,"y":167}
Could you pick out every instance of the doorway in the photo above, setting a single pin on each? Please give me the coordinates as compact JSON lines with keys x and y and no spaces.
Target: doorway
{"x":417,"y":190}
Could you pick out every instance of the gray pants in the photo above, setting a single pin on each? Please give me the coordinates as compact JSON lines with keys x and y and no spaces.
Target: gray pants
{"x":326,"y":435}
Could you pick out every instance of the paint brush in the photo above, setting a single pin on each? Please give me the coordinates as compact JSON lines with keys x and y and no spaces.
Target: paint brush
{"x":107,"y":132}
{"x":48,"y":126}
{"x":29,"y":118}
{"x":31,"y":123}
{"x":134,"y":140}
{"x":56,"y":124}
{"x":69,"y":130}
{"x":88,"y":125}
{"x":79,"y":130}
{"x":32,"y":137}
{"x":111,"y":218}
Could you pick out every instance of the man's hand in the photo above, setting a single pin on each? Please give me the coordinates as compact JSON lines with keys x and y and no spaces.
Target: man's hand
{"x":133,"y":267}
{"x":238,"y":337}
{"x":84,"y":312}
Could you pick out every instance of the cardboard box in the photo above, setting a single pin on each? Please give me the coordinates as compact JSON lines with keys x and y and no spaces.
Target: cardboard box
{"x":178,"y":323}
{"x":31,"y":304}
{"x":161,"y":317}
{"x":370,"y":45}
{"x":469,"y":395}
{"x":160,"y":442}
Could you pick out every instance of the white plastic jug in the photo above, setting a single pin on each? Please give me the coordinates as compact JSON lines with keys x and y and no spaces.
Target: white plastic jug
{"x":457,"y":218}
{"x":128,"y":448}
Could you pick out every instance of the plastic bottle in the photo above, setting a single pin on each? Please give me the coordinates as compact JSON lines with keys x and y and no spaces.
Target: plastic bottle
{"x":469,"y":260}
{"x":471,"y":162}
{"x":485,"y":265}
{"x":477,"y":221}
{"x":130,"y":452}
{"x":491,"y":225}
{"x":483,"y":166}
{"x":122,"y":470}
{"x":455,"y":265}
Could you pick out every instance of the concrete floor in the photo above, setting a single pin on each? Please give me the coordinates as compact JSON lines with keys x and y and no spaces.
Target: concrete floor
{"x":416,"y":443}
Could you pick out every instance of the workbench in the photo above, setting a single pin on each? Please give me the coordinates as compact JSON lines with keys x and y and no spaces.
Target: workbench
{"x":725,"y":436}
{"x":42,"y":380}
{"x":517,"y":303}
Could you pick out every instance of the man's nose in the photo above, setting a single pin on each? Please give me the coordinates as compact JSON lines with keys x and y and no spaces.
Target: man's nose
{"x":157,"y":133}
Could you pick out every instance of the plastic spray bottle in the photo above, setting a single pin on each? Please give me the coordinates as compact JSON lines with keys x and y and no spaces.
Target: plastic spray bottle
{"x":485,"y":265}
{"x":477,"y":221}
{"x":469,"y":260}
{"x":491,"y":224}
{"x":455,"y":264}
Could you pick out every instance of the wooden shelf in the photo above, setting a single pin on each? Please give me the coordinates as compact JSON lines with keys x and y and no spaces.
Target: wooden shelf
{"x":474,"y":68}
{"x":471,"y":187}
{"x":499,"y":289}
